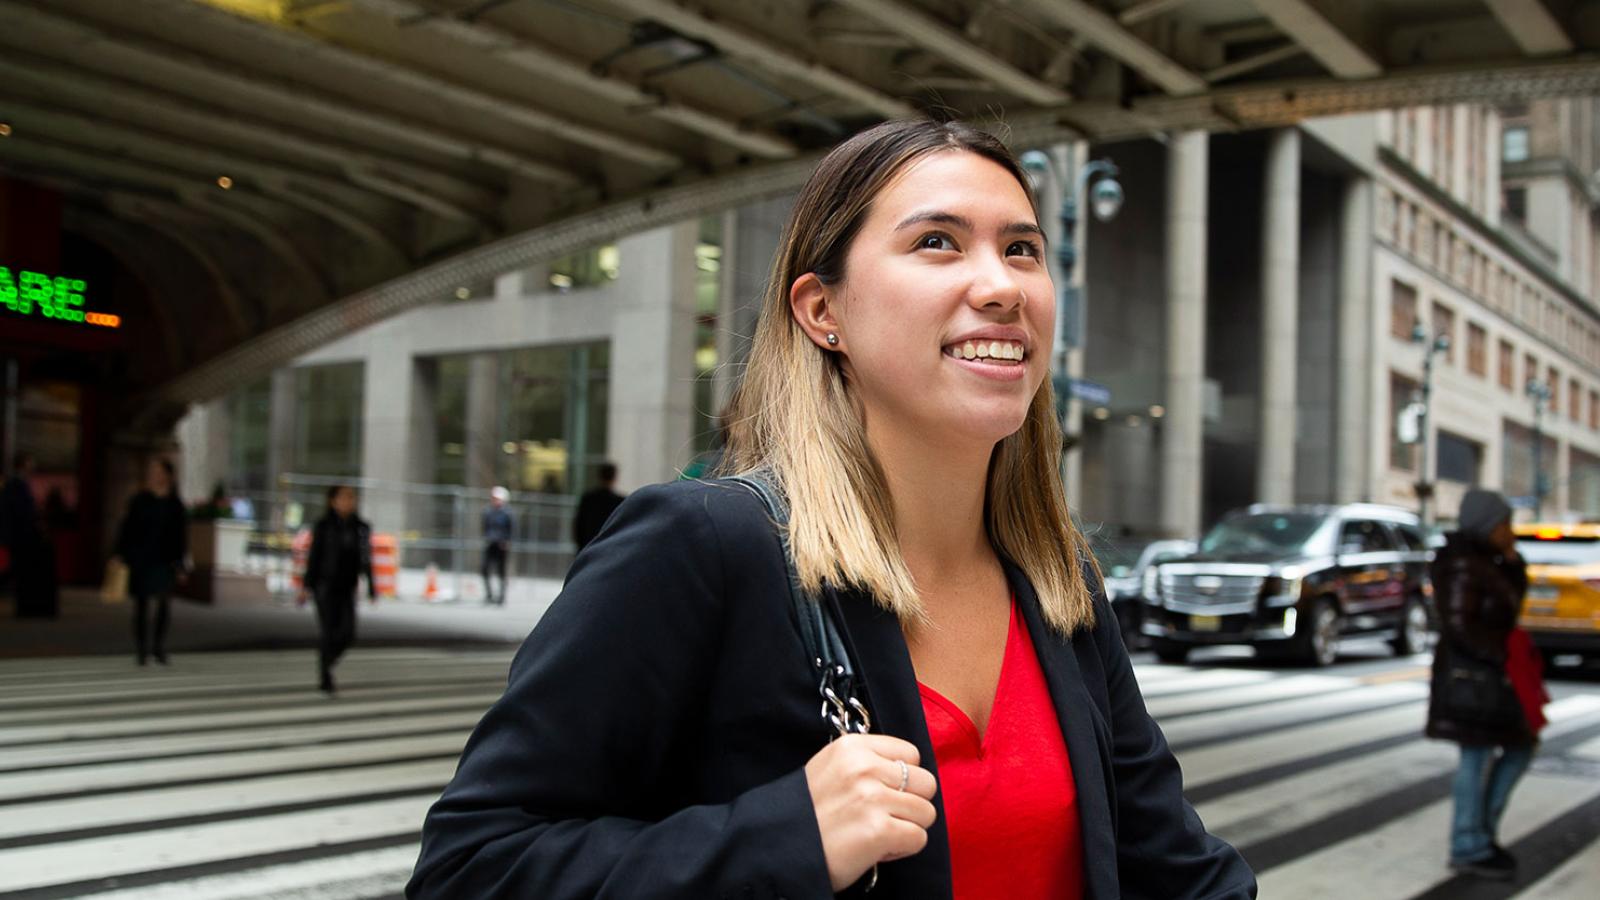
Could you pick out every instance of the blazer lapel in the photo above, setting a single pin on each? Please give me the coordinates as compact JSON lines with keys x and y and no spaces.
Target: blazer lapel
{"x":887,"y":683}
{"x":1087,"y":737}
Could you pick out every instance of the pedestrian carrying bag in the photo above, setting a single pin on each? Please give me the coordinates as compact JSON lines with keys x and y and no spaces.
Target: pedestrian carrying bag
{"x":842,"y":710}
{"x":114,"y":588}
{"x":1481,"y":693}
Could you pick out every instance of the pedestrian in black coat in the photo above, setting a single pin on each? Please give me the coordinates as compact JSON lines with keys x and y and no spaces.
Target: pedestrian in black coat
{"x":1479,"y":582}
{"x":596,"y":506}
{"x":664,"y":732}
{"x":31,"y":568}
{"x":154,"y":543}
{"x":341,"y":554}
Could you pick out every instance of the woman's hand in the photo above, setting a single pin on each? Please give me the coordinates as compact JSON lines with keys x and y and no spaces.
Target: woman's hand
{"x":864,"y":817}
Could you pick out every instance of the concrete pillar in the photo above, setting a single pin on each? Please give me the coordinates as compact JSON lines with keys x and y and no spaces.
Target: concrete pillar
{"x":1560,"y":469}
{"x":483,"y":420}
{"x":1357,"y":419}
{"x":1280,"y":311}
{"x":1183,"y":429}
{"x":396,"y":426}
{"x":652,"y":357}
{"x":204,"y":449}
{"x":750,"y":240}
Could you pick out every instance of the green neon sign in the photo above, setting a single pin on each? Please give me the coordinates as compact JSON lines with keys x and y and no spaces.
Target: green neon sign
{"x":53,"y":297}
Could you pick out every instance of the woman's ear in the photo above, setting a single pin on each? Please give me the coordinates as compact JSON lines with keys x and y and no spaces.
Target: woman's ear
{"x":811,"y":302}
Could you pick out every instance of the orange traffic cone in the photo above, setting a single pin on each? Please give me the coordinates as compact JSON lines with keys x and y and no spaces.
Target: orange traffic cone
{"x":430,"y":590}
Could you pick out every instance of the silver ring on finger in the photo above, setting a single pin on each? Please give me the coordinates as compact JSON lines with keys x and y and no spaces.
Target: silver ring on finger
{"x":905,"y":775}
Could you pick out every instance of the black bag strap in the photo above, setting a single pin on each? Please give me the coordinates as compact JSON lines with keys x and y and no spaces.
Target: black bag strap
{"x":824,"y":644}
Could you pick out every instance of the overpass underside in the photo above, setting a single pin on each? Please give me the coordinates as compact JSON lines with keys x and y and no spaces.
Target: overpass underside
{"x":261,"y":176}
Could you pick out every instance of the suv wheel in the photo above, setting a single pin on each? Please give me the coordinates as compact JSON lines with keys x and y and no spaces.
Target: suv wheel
{"x":1317,"y":643}
{"x":1416,"y":629}
{"x":1169,"y":651}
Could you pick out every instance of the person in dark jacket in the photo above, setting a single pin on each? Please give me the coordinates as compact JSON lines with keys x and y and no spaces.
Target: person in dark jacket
{"x":341,"y":554}
{"x":661,"y":734}
{"x":498,"y":527}
{"x":26,"y":544}
{"x":596,"y":506}
{"x":1479,"y":582}
{"x":153,"y":543}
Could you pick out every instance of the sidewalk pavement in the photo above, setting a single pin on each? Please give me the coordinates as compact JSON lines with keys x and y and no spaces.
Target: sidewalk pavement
{"x":89,"y":625}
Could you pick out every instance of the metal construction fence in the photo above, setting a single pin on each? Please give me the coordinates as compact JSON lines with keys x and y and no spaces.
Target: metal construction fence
{"x":436,"y":525}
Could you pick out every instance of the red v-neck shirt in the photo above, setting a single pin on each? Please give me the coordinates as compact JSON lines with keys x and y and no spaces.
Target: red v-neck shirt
{"x":1010,"y":804}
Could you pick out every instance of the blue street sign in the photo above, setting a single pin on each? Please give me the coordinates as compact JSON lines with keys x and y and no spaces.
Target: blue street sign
{"x":1090,"y":392}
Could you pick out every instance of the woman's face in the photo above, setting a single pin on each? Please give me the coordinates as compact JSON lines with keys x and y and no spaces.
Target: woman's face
{"x":946,"y":311}
{"x":156,"y":478}
{"x":344,"y":501}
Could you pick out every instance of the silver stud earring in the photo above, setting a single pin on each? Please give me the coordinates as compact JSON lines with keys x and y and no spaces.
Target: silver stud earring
{"x":833,"y":339}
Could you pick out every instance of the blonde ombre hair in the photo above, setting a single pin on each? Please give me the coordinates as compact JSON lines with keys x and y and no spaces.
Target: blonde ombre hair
{"x":795,"y":416}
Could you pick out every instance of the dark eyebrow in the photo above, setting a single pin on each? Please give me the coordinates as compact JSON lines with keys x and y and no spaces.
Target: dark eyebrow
{"x":965,"y":224}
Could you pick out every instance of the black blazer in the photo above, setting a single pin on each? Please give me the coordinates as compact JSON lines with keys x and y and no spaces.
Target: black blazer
{"x":652,"y":737}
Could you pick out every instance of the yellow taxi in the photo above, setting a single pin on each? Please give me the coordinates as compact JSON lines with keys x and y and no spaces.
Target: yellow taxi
{"x":1562,"y":612}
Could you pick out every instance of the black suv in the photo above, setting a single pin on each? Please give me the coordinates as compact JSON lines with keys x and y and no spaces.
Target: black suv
{"x":1291,"y":580}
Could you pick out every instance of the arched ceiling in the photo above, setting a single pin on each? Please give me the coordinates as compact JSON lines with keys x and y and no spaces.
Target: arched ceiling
{"x":378,"y":153}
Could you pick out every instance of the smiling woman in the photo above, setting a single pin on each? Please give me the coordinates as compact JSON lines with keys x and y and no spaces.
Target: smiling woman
{"x":660,"y":735}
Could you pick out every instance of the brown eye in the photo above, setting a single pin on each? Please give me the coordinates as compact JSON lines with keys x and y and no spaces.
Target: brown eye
{"x":935,"y":241}
{"x":1024,"y":248}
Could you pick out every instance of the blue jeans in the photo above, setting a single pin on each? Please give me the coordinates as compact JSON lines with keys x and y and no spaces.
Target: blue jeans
{"x":1482,"y":786}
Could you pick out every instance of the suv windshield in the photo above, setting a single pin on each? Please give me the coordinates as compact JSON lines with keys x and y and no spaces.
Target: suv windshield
{"x":1262,"y":533}
{"x":1564,"y":552}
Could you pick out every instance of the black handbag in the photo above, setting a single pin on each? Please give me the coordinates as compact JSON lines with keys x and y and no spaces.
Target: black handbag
{"x":1479,"y":693}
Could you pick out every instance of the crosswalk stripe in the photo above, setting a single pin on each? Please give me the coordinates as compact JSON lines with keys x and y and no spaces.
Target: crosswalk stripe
{"x":1326,"y":873}
{"x":1201,"y":681}
{"x":52,"y":818}
{"x":105,"y":857}
{"x":1223,"y":725}
{"x":1574,"y":879}
{"x":1224,"y":762}
{"x":356,"y":876}
{"x":303,"y":714}
{"x":166,"y":747}
{"x":1255,"y":694}
{"x":66,"y":783}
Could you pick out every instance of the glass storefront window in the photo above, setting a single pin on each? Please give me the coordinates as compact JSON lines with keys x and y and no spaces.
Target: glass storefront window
{"x":708,"y":301}
{"x":250,"y":424}
{"x":450,"y":419}
{"x":587,"y":268}
{"x":328,"y":436}
{"x":554,"y":428}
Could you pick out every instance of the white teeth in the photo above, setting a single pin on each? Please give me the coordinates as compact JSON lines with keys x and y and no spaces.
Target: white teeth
{"x":986,"y":350}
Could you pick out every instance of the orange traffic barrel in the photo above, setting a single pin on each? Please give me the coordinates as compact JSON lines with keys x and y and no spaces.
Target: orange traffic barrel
{"x":385,"y":565}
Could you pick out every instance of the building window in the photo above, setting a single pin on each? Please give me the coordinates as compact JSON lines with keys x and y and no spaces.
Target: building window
{"x":1402,"y":391}
{"x":1402,"y":309}
{"x":1553,"y":379}
{"x":1574,"y":400}
{"x":1444,"y":325}
{"x":1516,"y":204}
{"x":249,"y":433}
{"x":1530,"y":371}
{"x":1508,"y":365}
{"x":329,"y":402}
{"x":553,"y":417}
{"x":708,"y":303}
{"x":1514,"y":144}
{"x":1594,"y":410}
{"x":1477,"y":350}
{"x":1459,"y":459}
{"x":588,"y":268}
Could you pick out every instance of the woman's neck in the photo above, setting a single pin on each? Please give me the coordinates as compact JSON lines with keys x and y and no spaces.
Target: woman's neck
{"x":938,"y":490}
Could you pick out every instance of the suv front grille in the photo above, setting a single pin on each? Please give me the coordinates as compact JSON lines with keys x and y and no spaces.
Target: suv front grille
{"x":1210,"y":594}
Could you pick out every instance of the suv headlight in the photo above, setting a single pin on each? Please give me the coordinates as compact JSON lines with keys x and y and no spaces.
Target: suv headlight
{"x":1283,"y":590}
{"x":1151,"y":589}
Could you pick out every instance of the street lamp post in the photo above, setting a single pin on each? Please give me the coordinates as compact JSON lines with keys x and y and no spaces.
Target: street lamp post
{"x":1539,"y":392}
{"x":1424,"y":486}
{"x":1105,"y":201}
